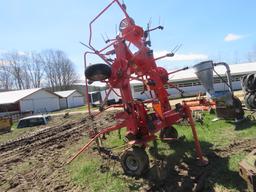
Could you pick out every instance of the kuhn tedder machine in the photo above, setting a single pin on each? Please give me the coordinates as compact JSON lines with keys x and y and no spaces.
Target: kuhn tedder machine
{"x":142,"y":125}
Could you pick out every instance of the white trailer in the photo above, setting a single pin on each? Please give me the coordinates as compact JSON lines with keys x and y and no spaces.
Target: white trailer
{"x":97,"y":97}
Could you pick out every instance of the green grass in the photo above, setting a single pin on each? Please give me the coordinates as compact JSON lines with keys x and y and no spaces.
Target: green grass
{"x":86,"y":170}
{"x":224,"y":176}
{"x":76,"y":109}
{"x":86,"y":173}
{"x":15,"y":133}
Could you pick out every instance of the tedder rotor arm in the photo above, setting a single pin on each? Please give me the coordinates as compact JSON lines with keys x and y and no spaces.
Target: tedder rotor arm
{"x":101,"y":13}
{"x":103,"y":131}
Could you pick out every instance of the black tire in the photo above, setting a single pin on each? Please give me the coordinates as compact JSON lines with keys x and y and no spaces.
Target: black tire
{"x":134,"y":161}
{"x":243,"y":81}
{"x":249,"y":83}
{"x":98,"y":72}
{"x":252,"y":101}
{"x":249,"y":101}
{"x":168,"y":132}
{"x":253,"y":85}
{"x":246,"y":100}
{"x":238,"y":108}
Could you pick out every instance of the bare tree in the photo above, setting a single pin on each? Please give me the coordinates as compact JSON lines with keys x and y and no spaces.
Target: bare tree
{"x":252,"y":55}
{"x":35,"y":69}
{"x":50,"y":67}
{"x":16,"y":63}
{"x":6,"y":80}
{"x":59,"y":70}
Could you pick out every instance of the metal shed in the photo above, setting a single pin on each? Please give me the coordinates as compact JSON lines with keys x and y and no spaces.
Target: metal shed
{"x":70,"y":99}
{"x":35,"y":100}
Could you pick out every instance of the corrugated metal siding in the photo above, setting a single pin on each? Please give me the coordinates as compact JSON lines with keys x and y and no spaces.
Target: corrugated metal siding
{"x":75,"y":100}
{"x":63,"y":103}
{"x":39,"y":102}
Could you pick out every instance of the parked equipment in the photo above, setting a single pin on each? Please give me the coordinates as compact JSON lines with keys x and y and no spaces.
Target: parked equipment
{"x":248,"y":83}
{"x":142,"y":125}
{"x":5,"y":125}
{"x":228,"y":106}
{"x":247,"y":170}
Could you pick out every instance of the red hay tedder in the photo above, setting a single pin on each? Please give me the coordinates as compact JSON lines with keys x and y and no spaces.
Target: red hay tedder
{"x":117,"y":73}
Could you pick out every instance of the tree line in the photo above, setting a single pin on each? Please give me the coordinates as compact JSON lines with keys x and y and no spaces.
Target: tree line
{"x":49,"y":68}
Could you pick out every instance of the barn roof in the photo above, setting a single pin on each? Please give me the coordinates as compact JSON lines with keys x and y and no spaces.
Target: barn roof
{"x":10,"y":97}
{"x":65,"y":94}
{"x":235,"y":69}
{"x":187,"y":75}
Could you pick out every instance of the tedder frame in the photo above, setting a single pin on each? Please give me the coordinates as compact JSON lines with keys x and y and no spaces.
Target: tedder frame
{"x":141,"y":123}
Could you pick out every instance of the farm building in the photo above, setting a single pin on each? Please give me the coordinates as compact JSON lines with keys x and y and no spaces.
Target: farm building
{"x":70,"y":99}
{"x":190,"y":84}
{"x":188,"y":81}
{"x":35,"y":100}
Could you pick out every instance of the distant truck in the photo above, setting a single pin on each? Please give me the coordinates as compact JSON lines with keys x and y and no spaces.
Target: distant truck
{"x":35,"y":120}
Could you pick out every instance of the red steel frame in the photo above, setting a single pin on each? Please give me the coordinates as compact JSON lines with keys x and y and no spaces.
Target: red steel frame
{"x":140,"y":65}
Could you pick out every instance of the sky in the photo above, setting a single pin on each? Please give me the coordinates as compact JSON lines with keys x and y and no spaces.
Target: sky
{"x":219,"y":30}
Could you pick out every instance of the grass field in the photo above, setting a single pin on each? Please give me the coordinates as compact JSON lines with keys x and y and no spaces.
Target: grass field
{"x":94,"y":173}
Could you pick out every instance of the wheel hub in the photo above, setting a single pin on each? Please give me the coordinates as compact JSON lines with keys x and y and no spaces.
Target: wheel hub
{"x":132,"y":163}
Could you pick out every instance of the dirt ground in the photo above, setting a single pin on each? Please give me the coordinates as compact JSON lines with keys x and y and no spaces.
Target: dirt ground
{"x":36,"y":161}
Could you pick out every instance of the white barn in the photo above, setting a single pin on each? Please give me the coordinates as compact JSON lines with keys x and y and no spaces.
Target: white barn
{"x":70,"y":99}
{"x":188,"y":81}
{"x":190,"y":84}
{"x":35,"y":101}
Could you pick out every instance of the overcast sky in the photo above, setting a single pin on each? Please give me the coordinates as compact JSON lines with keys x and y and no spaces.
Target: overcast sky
{"x":220,"y":29}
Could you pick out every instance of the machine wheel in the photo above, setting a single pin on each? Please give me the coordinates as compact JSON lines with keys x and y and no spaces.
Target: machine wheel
{"x":246,"y":100}
{"x":249,"y":83}
{"x":243,"y":82}
{"x":238,"y":108}
{"x":98,"y":72}
{"x":135,"y":161}
{"x":169,"y":132}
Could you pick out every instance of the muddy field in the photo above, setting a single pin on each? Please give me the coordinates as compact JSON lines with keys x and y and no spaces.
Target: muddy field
{"x":36,"y":161}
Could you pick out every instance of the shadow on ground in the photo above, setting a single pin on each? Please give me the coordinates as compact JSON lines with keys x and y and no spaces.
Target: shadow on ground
{"x":179,"y":171}
{"x":245,"y":124}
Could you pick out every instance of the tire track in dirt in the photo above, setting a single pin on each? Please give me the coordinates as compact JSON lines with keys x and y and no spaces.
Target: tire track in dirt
{"x":36,"y":162}
{"x":237,"y":146}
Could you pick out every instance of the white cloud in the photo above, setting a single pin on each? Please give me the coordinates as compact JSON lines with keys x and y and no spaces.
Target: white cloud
{"x":22,"y":53}
{"x":181,"y":57}
{"x":232,"y":37}
{"x":3,"y":51}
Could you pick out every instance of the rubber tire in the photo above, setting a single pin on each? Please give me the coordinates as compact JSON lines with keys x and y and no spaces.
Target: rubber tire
{"x":249,"y":83}
{"x":238,"y":105}
{"x":246,"y":100}
{"x":98,"y":72}
{"x":249,"y":101}
{"x":252,"y":101}
{"x":169,"y":132}
{"x":140,"y":156}
{"x":243,"y":82}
